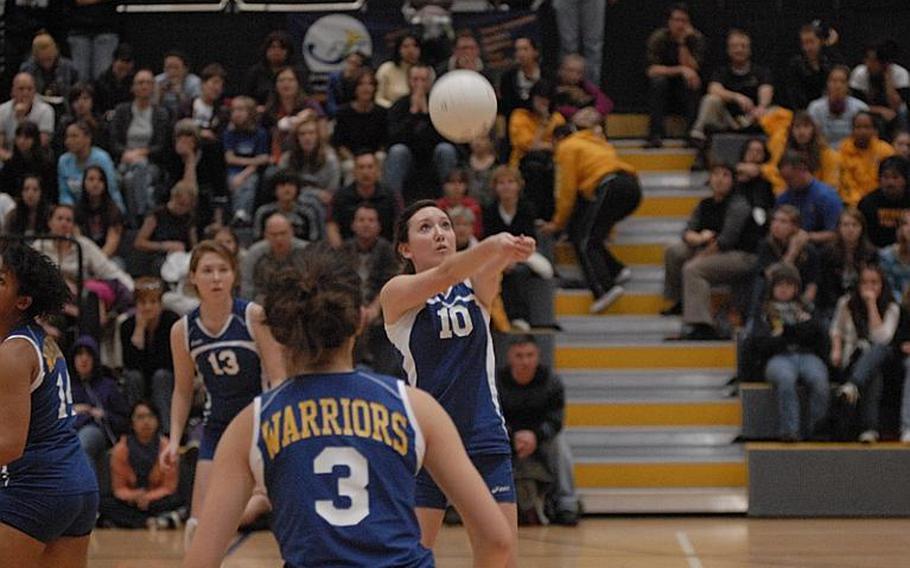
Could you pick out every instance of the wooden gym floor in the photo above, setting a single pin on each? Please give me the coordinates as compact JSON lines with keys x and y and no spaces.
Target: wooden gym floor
{"x":606,"y":542}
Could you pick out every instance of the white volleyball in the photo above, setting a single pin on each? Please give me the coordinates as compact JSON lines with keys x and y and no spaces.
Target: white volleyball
{"x":463,"y":105}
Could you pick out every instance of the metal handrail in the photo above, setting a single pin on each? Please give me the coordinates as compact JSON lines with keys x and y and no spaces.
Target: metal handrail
{"x":167,"y":8}
{"x":241,"y":6}
{"x":315,"y":7}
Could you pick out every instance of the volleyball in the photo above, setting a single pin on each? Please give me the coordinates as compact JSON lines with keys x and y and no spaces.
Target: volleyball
{"x":463,"y":105}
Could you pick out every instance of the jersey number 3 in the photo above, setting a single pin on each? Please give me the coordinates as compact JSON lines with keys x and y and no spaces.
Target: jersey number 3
{"x":353,"y":486}
{"x":455,"y":319}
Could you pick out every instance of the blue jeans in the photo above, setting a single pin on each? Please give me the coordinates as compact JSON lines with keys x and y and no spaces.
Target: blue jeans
{"x":158,"y":390}
{"x":559,"y":460}
{"x":400,"y":160}
{"x":783,"y":371}
{"x":244,"y":197}
{"x":94,"y":444}
{"x":866,"y":374}
{"x":139,"y":187}
{"x":92,"y":54}
{"x":582,"y":22}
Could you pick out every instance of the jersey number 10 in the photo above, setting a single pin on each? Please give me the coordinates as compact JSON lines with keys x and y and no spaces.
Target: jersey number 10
{"x":455,"y":319}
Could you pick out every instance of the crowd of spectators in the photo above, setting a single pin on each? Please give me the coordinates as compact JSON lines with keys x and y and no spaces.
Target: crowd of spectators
{"x":128,"y":169}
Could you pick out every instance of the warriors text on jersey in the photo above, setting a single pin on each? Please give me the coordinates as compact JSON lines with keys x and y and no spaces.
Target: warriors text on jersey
{"x":337,"y":454}
{"x":448,"y":352}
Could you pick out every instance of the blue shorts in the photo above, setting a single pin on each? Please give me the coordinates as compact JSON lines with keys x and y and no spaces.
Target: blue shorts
{"x":211,"y":434}
{"x":48,"y":517}
{"x":495,"y":469}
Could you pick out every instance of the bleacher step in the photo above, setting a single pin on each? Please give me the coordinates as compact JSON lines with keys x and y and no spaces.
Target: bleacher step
{"x":668,"y":354}
{"x":663,"y":159}
{"x":620,"y":439}
{"x":653,"y":500}
{"x":595,"y":328}
{"x":667,"y":413}
{"x":680,"y":179}
{"x":578,"y":302}
{"x":595,"y":473}
{"x":581,"y":383}
{"x":636,"y":229}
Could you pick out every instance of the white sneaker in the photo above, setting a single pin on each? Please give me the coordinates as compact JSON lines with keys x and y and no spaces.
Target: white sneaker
{"x":605,"y":301}
{"x":868,"y":437}
{"x":624,"y":276}
{"x":905,"y":436}
{"x":189,"y":532}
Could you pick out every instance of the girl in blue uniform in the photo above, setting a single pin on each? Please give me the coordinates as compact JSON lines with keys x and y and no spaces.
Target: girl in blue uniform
{"x":337,"y":449}
{"x":226,"y":342}
{"x":437,"y":315}
{"x":48,"y":491}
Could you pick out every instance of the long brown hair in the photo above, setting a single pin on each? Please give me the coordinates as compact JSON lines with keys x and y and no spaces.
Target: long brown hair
{"x":313,"y":311}
{"x":813,"y":150}
{"x":857,"y":305}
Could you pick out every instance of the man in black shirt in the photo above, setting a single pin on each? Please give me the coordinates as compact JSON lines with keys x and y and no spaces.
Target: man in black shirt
{"x":739,"y":93}
{"x":365,"y":189}
{"x":114,"y":85}
{"x":533,"y":404}
{"x":675,"y":58}
{"x":415,"y":147}
{"x":884,"y":207}
{"x":807,"y":72}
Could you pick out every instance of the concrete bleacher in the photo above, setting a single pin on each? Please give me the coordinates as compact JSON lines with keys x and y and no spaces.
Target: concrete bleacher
{"x":656,"y":427}
{"x":822,"y":480}
{"x":651,"y":423}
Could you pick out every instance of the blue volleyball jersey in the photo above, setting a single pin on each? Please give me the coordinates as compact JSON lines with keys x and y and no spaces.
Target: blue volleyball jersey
{"x":228,"y":362}
{"x":53,"y":462}
{"x":337,"y":454}
{"x":448,"y":352}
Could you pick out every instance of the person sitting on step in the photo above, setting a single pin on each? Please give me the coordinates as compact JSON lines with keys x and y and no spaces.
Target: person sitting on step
{"x":718,"y":247}
{"x":791,"y":340}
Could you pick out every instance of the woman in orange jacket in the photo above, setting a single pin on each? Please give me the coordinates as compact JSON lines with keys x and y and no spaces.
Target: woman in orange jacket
{"x":531,"y":129}
{"x":144,"y":495}
{"x":802,"y":136}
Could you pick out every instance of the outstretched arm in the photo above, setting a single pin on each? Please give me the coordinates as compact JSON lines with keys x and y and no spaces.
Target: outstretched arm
{"x":407,"y":291}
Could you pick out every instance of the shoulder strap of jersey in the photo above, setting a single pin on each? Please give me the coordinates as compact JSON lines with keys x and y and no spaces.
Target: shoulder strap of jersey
{"x":256,"y":465}
{"x":419,"y":443}
{"x":39,"y":379}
